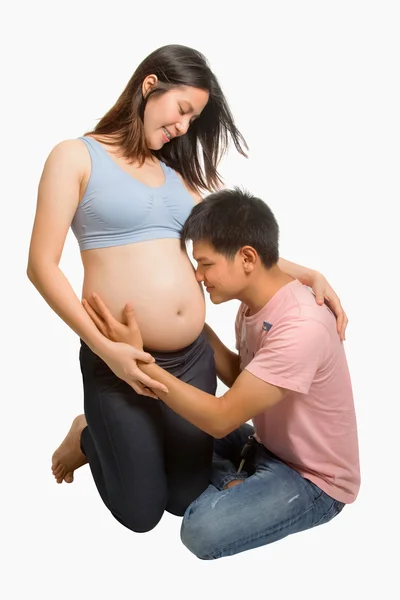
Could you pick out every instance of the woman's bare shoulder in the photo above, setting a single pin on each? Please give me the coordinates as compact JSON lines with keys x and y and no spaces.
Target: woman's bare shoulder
{"x":72,"y":153}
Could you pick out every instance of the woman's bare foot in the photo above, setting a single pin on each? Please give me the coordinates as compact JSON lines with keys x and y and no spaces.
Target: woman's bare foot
{"x":68,"y":457}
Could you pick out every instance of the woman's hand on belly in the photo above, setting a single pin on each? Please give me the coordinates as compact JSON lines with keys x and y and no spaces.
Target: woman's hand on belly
{"x":157,"y":277}
{"x":127,"y":347}
{"x":127,"y":332}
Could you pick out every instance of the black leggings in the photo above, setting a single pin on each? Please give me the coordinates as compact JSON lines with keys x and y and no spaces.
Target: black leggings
{"x":144,"y":457}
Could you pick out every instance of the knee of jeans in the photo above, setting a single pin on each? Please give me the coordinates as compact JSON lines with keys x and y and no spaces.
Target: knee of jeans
{"x":197,"y":534}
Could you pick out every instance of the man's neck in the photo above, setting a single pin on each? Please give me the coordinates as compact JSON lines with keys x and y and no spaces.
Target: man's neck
{"x":263,"y":286}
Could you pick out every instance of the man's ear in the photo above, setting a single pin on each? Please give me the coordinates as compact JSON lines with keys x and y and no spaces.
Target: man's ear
{"x":249,"y":258}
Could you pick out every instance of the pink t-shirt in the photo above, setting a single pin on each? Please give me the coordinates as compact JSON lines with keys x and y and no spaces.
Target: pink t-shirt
{"x":293,"y":343}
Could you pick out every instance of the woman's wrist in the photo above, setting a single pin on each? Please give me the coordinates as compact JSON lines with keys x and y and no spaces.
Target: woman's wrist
{"x":304,"y":274}
{"x":307,"y":276}
{"x":101,"y":346}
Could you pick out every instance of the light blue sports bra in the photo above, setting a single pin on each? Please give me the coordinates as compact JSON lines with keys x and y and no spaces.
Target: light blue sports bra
{"x":118,"y":209}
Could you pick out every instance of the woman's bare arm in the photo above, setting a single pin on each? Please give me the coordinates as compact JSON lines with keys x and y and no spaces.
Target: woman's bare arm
{"x":58,"y":199}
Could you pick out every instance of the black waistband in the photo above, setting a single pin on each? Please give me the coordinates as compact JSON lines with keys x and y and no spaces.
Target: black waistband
{"x":176,"y":357}
{"x":180,"y":359}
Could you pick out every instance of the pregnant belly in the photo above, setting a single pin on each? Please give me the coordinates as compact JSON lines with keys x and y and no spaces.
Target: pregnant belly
{"x":158,"y":278}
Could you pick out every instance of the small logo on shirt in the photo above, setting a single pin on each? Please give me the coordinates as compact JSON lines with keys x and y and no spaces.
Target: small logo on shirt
{"x":266,"y":326}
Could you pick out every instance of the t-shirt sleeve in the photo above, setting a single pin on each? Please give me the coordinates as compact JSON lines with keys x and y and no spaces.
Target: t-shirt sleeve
{"x":291,"y":354}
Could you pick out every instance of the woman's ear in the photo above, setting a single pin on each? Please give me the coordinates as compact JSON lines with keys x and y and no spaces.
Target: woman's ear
{"x":148,"y":84}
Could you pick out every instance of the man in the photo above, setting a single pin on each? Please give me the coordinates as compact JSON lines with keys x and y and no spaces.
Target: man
{"x":300,"y":465}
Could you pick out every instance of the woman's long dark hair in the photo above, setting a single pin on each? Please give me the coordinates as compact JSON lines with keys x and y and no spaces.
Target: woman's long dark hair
{"x":206,"y":139}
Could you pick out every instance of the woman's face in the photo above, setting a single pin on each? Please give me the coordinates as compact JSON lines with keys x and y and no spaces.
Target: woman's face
{"x":170,"y":114}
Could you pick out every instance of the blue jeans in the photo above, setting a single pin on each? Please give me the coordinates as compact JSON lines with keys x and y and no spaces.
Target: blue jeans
{"x":272,"y":502}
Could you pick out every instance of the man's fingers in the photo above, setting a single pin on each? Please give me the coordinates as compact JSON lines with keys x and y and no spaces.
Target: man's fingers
{"x":94,"y":316}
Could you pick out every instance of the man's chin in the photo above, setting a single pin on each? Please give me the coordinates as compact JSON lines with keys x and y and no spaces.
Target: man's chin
{"x":217,"y":299}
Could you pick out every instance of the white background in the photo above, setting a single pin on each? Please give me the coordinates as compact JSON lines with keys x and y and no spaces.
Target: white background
{"x":314,"y":89}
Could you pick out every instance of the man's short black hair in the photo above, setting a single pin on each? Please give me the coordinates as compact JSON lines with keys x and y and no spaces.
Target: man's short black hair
{"x":231,"y":219}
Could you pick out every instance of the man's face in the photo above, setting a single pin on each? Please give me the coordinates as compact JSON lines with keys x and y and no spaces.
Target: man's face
{"x":223,"y":278}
